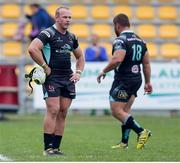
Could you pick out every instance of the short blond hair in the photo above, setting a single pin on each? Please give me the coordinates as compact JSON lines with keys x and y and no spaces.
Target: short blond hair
{"x":57,"y":13}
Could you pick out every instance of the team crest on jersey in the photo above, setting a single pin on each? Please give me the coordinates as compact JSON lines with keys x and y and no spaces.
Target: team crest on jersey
{"x":70,"y":39}
{"x":59,"y":39}
{"x":135,"y":69}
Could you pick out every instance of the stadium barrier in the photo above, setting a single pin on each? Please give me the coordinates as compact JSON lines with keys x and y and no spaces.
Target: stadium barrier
{"x":12,"y":85}
{"x":90,"y":94}
{"x":8,"y":89}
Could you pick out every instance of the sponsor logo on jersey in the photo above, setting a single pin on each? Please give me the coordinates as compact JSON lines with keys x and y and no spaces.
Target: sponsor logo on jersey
{"x":134,"y":39}
{"x":66,"y":46}
{"x":66,"y":49}
{"x":123,"y":36}
{"x":135,"y":69}
{"x":118,"y":41}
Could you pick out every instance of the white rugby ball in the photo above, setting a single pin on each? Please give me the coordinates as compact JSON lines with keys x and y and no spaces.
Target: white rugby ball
{"x":39,"y":76}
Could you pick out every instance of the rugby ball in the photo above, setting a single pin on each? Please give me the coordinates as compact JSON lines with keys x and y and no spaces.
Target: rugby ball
{"x":39,"y":75}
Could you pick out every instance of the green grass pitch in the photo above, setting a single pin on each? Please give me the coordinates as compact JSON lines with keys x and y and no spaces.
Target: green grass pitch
{"x":89,"y":138}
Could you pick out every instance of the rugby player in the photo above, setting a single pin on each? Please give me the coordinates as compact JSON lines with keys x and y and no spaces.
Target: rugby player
{"x":129,"y":52}
{"x":51,"y":49}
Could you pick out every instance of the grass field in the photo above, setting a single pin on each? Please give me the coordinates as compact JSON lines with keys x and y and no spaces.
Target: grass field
{"x":89,"y":139}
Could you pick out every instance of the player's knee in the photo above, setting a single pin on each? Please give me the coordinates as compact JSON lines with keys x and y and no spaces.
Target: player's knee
{"x":53,"y":111}
{"x":114,"y":113}
{"x":117,"y":112}
{"x":63,"y":112}
{"x":127,"y":109}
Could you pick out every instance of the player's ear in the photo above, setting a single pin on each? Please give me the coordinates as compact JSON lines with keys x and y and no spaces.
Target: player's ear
{"x":119,"y":27}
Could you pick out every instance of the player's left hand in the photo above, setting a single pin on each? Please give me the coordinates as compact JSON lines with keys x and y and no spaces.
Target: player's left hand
{"x":148,"y":88}
{"x":75,"y":77}
{"x":101,"y":75}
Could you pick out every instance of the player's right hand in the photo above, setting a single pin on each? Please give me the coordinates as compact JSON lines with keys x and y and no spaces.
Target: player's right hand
{"x":47,"y":70}
{"x":148,"y":88}
{"x":101,"y":75}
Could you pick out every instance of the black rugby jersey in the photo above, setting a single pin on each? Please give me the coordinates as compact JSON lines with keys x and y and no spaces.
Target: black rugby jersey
{"x":135,"y":49}
{"x":57,"y":49}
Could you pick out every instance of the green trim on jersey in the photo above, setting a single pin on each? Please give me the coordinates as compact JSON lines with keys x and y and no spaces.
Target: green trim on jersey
{"x":46,"y":95}
{"x":47,"y":52}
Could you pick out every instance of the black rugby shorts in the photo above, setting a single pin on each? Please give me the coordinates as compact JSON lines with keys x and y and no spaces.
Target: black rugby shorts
{"x":55,"y":87}
{"x":122,"y":90}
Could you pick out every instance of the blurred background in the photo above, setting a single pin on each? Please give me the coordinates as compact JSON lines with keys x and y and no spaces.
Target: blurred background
{"x":156,"y":21}
{"x":87,"y":137}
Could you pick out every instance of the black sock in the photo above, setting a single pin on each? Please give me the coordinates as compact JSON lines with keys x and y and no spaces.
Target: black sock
{"x":132,"y":124}
{"x":57,"y":141}
{"x":48,"y":138}
{"x":125,"y":134}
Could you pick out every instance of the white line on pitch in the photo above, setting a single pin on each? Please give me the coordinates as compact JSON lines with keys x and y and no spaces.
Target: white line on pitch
{"x":4,"y":158}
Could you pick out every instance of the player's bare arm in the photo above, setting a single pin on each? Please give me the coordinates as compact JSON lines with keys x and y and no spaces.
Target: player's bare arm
{"x":79,"y":64}
{"x":116,"y":60}
{"x":147,"y":73}
{"x":36,"y":54}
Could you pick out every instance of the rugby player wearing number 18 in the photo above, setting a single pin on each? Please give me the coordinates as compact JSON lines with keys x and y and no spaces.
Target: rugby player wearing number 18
{"x":129,"y":52}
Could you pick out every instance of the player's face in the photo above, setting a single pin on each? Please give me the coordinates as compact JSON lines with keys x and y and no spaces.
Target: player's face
{"x":64,"y":19}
